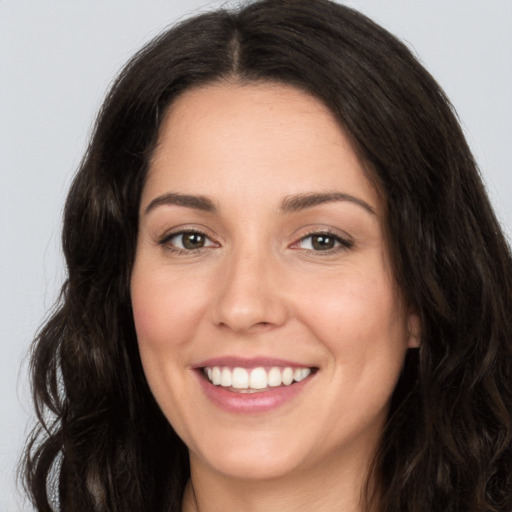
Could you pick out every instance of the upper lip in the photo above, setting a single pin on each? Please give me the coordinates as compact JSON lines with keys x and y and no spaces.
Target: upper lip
{"x":253,"y":362}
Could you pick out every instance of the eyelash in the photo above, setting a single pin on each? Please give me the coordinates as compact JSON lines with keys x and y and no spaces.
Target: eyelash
{"x":165,"y":242}
{"x":343,"y":243}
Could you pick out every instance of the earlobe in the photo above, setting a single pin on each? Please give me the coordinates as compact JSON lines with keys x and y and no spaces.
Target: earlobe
{"x":413,"y":330}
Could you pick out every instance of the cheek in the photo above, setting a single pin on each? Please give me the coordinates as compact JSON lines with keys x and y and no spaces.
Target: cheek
{"x":164,"y":309}
{"x":353,"y":307}
{"x":359,"y":320}
{"x":164,"y":318}
{"x":148,"y":307}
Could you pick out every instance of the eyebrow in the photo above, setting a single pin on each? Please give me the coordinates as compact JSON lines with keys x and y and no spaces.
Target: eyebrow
{"x":299,"y":202}
{"x":290,"y":204}
{"x":202,"y":203}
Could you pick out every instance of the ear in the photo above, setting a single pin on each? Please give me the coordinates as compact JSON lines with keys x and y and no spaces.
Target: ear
{"x":413,"y":329}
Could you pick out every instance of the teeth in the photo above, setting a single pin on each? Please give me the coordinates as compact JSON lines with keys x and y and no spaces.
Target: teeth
{"x":274,"y":377}
{"x":216,"y":376}
{"x":301,"y":374}
{"x":257,"y":378}
{"x":225,"y":378}
{"x":287,"y":376}
{"x":240,"y":378}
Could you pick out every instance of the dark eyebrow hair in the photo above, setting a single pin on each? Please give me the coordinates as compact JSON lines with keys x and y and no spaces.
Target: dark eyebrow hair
{"x":290,"y":204}
{"x":302,"y":201}
{"x":197,"y":202}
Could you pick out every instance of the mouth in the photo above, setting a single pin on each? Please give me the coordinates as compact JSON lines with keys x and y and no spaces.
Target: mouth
{"x":255,"y":380}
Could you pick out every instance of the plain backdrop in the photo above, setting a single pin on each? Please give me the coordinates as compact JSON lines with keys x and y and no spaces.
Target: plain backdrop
{"x":57,"y":59}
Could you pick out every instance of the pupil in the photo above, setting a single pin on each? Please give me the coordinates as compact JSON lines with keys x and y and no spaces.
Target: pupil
{"x":193,"y":241}
{"x":323,"y":242}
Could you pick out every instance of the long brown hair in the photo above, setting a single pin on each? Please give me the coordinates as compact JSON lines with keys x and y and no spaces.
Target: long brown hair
{"x":102,"y":443}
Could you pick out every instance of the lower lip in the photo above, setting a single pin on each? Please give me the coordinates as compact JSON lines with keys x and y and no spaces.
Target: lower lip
{"x":251,"y":403}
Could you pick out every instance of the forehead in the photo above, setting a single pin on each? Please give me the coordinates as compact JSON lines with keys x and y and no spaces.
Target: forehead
{"x":271,"y":138}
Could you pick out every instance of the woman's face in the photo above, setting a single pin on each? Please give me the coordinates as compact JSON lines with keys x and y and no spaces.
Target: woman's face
{"x":261,"y":266}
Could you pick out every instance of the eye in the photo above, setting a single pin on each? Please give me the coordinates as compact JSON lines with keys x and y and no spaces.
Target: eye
{"x":187,"y":241}
{"x":323,"y":242}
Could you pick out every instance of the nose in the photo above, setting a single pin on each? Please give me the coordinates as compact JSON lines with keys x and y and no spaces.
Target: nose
{"x":251,"y":295}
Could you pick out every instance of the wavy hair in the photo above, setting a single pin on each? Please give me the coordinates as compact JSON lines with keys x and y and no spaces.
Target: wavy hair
{"x":102,"y":443}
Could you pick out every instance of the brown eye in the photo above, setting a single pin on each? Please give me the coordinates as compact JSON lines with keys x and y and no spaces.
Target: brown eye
{"x":319,"y":242}
{"x":187,"y":241}
{"x":193,"y":240}
{"x":322,"y":242}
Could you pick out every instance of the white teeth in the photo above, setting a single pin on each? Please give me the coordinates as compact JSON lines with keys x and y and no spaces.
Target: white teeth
{"x":274,"y":378}
{"x":301,"y":374}
{"x":287,"y":376}
{"x":215,"y":378}
{"x":225,"y":378}
{"x":257,"y":378}
{"x":240,"y":378}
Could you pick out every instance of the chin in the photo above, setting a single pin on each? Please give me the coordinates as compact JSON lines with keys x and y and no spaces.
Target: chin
{"x":265,"y":467}
{"x":252,"y":459}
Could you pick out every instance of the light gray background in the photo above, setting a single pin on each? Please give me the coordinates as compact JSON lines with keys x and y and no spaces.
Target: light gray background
{"x":58,"y":57}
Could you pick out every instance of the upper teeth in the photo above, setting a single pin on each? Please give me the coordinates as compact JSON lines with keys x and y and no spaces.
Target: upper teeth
{"x":255,"y":378}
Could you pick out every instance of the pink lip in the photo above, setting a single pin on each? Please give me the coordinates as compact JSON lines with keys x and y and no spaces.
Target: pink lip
{"x":249,"y":403}
{"x":253,"y":362}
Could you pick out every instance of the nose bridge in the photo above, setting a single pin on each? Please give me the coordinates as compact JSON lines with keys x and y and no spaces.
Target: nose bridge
{"x":249,"y":295}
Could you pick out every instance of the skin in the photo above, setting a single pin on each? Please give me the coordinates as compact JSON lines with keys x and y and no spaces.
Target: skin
{"x":259,"y":287}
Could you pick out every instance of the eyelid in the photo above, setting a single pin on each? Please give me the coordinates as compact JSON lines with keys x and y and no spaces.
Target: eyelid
{"x":165,"y":239}
{"x":168,"y":236}
{"x":344,"y":240}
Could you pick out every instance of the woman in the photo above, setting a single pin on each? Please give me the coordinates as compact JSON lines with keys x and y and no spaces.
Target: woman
{"x":287,"y":288}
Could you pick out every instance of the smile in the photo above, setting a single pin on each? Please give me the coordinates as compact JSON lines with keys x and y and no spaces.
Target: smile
{"x":242,"y":380}
{"x":255,"y":385}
